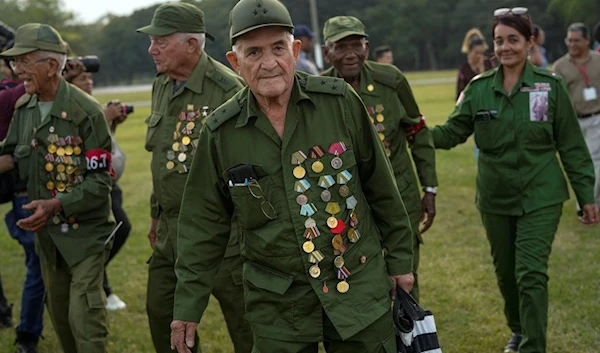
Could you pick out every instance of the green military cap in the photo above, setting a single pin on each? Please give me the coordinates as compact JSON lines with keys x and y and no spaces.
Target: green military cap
{"x":340,"y":27}
{"x":248,"y":15}
{"x":36,"y":36}
{"x":173,"y":17}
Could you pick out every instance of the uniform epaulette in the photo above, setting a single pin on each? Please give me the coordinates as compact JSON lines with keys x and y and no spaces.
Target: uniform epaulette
{"x":544,"y":72}
{"x":228,"y":110}
{"x":225,"y":82}
{"x":23,"y":100}
{"x":78,"y":114}
{"x":387,"y":75}
{"x":485,"y":74}
{"x":321,"y":84}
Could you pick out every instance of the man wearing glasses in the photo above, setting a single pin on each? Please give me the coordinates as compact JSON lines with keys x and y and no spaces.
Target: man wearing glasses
{"x":296,"y":159}
{"x":580,"y":69}
{"x":190,"y":85}
{"x":396,"y":116}
{"x":61,"y":147}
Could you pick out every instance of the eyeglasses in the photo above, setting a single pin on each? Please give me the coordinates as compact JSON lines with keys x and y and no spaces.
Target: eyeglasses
{"x":16,"y":63}
{"x":518,"y":11}
{"x":266,"y":207}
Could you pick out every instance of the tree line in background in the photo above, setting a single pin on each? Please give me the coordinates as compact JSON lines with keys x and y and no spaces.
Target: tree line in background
{"x":425,"y":34}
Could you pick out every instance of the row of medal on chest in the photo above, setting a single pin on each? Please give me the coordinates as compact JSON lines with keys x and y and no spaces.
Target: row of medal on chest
{"x":183,"y":144}
{"x":63,"y":162}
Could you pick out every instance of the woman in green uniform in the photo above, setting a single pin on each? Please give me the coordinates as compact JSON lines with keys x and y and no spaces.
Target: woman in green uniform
{"x":522,"y":116}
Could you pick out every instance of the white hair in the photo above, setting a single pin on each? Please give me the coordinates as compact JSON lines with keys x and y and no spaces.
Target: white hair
{"x":200,"y":37}
{"x":61,"y":58}
{"x":289,"y":36}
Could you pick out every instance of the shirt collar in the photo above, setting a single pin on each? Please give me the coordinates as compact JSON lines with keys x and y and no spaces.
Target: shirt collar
{"x":526,"y":79}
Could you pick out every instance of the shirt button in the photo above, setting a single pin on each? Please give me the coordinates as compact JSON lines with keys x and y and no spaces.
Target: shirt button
{"x":363,"y":259}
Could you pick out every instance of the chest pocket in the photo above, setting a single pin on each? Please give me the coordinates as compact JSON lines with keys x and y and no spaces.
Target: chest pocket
{"x":255,"y":203}
{"x":489,"y":131}
{"x":537,"y":135}
{"x":23,"y":158}
{"x":152,"y":122}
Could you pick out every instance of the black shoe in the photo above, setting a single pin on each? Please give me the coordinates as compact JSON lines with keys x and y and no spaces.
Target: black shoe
{"x":5,"y":316}
{"x":26,"y":342}
{"x":513,"y":343}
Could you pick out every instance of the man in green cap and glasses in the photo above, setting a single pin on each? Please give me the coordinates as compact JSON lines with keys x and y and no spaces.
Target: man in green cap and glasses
{"x":190,"y":85}
{"x":396,"y":116}
{"x":296,"y":159}
{"x":61,"y":146}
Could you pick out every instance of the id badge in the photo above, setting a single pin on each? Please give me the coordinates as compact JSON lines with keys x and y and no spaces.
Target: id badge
{"x":590,"y":94}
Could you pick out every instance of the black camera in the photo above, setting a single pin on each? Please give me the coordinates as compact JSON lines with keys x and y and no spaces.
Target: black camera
{"x":90,"y":62}
{"x":7,"y":36}
{"x":126,"y":109}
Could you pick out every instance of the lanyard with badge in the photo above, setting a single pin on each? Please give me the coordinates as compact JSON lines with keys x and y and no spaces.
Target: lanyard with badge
{"x":589,"y":93}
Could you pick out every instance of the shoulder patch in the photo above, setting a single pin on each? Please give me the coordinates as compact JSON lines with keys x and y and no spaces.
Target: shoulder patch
{"x":321,"y":84}
{"x":24,"y":99}
{"x":226,"y":111}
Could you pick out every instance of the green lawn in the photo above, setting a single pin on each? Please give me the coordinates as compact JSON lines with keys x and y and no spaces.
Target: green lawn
{"x":457,"y":280}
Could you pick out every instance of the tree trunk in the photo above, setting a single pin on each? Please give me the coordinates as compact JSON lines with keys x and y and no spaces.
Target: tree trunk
{"x":430,"y":52}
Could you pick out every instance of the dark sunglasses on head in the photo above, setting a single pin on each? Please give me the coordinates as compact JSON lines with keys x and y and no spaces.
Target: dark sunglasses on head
{"x":519,"y":11}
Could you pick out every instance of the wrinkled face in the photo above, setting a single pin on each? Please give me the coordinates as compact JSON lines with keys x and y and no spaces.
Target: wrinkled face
{"x":576,"y":43}
{"x":266,"y":60}
{"x":476,"y":54}
{"x":386,"y":58}
{"x":510,"y":46}
{"x":34,"y":71}
{"x":348,"y":55}
{"x":85,"y":82}
{"x":167,"y":52}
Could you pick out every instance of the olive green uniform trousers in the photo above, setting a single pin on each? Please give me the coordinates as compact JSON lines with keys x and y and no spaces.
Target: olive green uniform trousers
{"x":521,"y":248}
{"x":379,"y":337}
{"x":76,"y":302}
{"x":228,"y":290}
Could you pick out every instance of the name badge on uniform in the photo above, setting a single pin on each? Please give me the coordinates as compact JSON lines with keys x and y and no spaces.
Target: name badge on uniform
{"x":590,"y":94}
{"x":538,"y":106}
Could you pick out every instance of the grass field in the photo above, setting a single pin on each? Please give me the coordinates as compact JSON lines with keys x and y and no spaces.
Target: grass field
{"x":457,"y":279}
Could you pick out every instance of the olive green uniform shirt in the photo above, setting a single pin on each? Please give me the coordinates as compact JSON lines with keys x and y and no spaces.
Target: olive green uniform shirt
{"x":393,"y":109}
{"x":282,"y":300}
{"x":519,"y":135}
{"x":51,"y":157}
{"x":174,"y":125}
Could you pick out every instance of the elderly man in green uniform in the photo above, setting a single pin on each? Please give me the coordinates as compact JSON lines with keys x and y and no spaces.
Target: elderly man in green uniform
{"x":397,"y":118}
{"x":296,"y":159}
{"x":61,"y":146}
{"x":190,"y":85}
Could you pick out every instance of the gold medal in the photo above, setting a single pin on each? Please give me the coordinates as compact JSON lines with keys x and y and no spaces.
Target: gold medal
{"x":77,"y":150}
{"x":49,"y":167}
{"x":69,"y":150}
{"x":381,"y":136}
{"x":52,"y":148}
{"x":299,"y":172}
{"x":50,"y":185}
{"x":170,"y":165}
{"x":70,"y":169}
{"x":338,"y":262}
{"x":60,"y":168}
{"x":175,"y":146}
{"x":190,"y":126}
{"x":370,"y":88}
{"x":332,"y":222}
{"x":343,"y":287}
{"x":344,"y":191}
{"x":317,"y":167}
{"x":61,"y":187}
{"x":380,"y":118}
{"x":60,"y":151}
{"x":314,"y":271}
{"x":182,"y":157}
{"x":186,"y":140}
{"x":337,"y":242}
{"x":308,"y":247}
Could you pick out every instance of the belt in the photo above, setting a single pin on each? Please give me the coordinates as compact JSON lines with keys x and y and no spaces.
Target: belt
{"x":589,"y":115}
